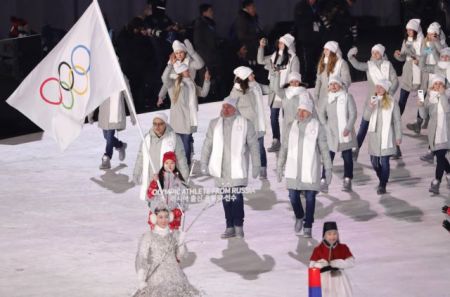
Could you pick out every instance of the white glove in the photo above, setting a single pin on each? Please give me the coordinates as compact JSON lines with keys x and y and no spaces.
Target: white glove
{"x":189,"y":47}
{"x":352,"y":52}
{"x":321,"y":263}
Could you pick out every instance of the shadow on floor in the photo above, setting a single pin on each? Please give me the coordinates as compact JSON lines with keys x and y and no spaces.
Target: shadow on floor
{"x":114,"y":181}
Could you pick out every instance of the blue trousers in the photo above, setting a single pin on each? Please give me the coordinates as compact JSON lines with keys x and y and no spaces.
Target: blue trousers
{"x":262,"y":152}
{"x":111,"y":142}
{"x":348,"y":163}
{"x":275,"y":122}
{"x":186,"y":139}
{"x":382,"y":168}
{"x":308,"y":213}
{"x":233,"y":205}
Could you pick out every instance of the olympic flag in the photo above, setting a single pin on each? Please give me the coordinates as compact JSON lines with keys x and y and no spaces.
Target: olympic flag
{"x":72,"y":80}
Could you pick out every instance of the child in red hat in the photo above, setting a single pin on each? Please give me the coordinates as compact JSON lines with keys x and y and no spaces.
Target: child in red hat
{"x":173,"y":190}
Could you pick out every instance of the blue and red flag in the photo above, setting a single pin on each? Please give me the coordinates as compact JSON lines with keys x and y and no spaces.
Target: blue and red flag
{"x":315,"y":289}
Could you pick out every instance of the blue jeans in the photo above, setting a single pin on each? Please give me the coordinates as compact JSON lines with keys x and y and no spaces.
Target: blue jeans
{"x":233,"y":205}
{"x":348,"y":163}
{"x":402,"y":100}
{"x":362,"y":132}
{"x":442,"y":164}
{"x":262,"y":152}
{"x":186,"y":139}
{"x":111,"y":142}
{"x":382,"y":168}
{"x":274,"y":122}
{"x":308,"y":214}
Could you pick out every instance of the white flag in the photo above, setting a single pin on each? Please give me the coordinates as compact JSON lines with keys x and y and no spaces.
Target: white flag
{"x":72,"y":80}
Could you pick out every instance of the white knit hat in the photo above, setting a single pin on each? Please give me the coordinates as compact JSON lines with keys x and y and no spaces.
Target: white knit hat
{"x":332,"y":46}
{"x":445,"y":51}
{"x":178,"y":46}
{"x":306,"y":104}
{"x":294,"y":76}
{"x":161,"y":116}
{"x":434,"y":78}
{"x":287,"y":39}
{"x":434,"y":28}
{"x":379,"y":48}
{"x":180,"y":68}
{"x":335,"y":79}
{"x":384,"y":83}
{"x":231,"y":101}
{"x":414,"y":24}
{"x":243,"y":72}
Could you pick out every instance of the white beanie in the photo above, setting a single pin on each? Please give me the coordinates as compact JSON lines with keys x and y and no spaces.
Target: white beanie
{"x":384,"y":83}
{"x":180,"y":68}
{"x":445,"y":51}
{"x":332,"y":46}
{"x":436,"y":78}
{"x":161,"y":116}
{"x":379,"y":48}
{"x":178,"y":46}
{"x":414,"y":24}
{"x":335,"y":79}
{"x":243,"y":72}
{"x":231,"y":101}
{"x":434,"y":28}
{"x":294,"y":76}
{"x":287,"y":39}
{"x":306,"y":104}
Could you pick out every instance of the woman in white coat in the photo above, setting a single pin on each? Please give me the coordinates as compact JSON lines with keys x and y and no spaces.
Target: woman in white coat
{"x":285,"y":61}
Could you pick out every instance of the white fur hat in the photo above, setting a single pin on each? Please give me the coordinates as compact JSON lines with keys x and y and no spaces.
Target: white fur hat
{"x":445,"y":51}
{"x":434,"y":78}
{"x":336,"y":79}
{"x":434,"y":28}
{"x":379,"y":48}
{"x":178,"y":46}
{"x":306,"y":104}
{"x":243,"y":72}
{"x":294,"y":76}
{"x":414,"y":24}
{"x":384,"y":83}
{"x":332,"y":46}
{"x":231,"y":101}
{"x":180,"y":68}
{"x":287,"y":39}
{"x":161,"y":116}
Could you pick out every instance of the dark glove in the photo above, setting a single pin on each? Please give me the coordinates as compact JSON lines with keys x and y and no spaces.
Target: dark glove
{"x":325,"y":269}
{"x":446,"y":225}
{"x":445,"y":209}
{"x":333,"y":269}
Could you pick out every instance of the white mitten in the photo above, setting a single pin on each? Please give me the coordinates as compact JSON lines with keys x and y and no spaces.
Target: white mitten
{"x":352,"y":52}
{"x":189,"y":47}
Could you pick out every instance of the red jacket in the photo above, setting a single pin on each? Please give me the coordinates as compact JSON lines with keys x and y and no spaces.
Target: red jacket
{"x":338,"y":251}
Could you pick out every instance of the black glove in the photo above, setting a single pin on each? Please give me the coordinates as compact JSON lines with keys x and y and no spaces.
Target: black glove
{"x":445,"y":224}
{"x":445,"y":209}
{"x":334,"y":269}
{"x":325,"y":269}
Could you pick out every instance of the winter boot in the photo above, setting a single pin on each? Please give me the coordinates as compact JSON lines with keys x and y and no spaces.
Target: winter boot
{"x":434,"y":187}
{"x":298,"y":225}
{"x":347,"y":185}
{"x":428,"y":157}
{"x":229,"y":232}
{"x":263,"y":173}
{"x":121,"y":150}
{"x":239,"y":231}
{"x":416,"y":127}
{"x":307,"y":232}
{"x":381,"y":189}
{"x":106,"y":163}
{"x":323,"y":186}
{"x":275,"y":146}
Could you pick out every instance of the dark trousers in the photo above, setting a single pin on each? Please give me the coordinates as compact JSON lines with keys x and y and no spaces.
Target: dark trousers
{"x":402,"y":100}
{"x":262,"y":152}
{"x":308,"y":213}
{"x":187,"y":139}
{"x":382,"y":168}
{"x":275,"y":122}
{"x":362,"y":132}
{"x":111,"y":142}
{"x":442,"y":164}
{"x":233,"y":205}
{"x":348,"y":163}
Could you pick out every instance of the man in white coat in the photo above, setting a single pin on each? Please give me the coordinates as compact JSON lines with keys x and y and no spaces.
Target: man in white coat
{"x":230,"y":141}
{"x":160,"y":139}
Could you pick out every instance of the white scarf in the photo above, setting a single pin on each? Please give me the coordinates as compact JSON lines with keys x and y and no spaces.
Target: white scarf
{"x":309,"y":157}
{"x":168,"y":144}
{"x":186,"y":61}
{"x":283,"y":72}
{"x":256,"y":89}
{"x":430,"y":58}
{"x":161,"y":231}
{"x":386,"y":115}
{"x":376,"y":73}
{"x":115,"y":107}
{"x":192,"y":101}
{"x":445,"y":65}
{"x":293,"y":91}
{"x":238,"y":136}
{"x":337,"y":68}
{"x":341,"y":99}
{"x":441,"y":126}
{"x":417,"y":45}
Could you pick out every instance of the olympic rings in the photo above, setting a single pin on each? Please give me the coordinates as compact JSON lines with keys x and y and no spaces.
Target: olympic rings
{"x":70,"y":85}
